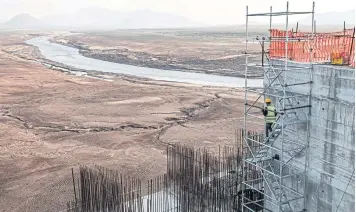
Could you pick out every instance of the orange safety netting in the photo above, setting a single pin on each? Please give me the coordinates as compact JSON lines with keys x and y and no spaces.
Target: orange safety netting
{"x":325,"y":46}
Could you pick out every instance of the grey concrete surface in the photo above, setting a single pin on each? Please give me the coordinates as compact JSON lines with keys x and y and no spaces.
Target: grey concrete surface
{"x":331,"y":154}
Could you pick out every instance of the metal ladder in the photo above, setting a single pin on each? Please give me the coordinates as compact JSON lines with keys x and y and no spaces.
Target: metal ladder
{"x":262,"y":154}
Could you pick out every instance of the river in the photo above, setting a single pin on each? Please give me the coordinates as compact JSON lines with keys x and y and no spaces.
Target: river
{"x":70,"y":56}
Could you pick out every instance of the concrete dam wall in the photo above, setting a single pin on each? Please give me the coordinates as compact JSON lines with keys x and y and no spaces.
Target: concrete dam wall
{"x":330,"y":156}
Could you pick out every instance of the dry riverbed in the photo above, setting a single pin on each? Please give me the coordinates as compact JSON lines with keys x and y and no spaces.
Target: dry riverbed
{"x":212,"y":52}
{"x":51,"y":121}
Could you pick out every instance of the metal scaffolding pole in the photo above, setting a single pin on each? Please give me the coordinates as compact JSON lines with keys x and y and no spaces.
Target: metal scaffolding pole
{"x":283,"y":106}
{"x":275,"y":157}
{"x":245,"y":109}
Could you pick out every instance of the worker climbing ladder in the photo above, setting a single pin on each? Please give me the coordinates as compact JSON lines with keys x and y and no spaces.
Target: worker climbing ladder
{"x":281,"y":158}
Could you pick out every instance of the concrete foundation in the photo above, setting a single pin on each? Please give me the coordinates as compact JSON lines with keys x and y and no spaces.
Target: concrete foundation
{"x":331,"y":153}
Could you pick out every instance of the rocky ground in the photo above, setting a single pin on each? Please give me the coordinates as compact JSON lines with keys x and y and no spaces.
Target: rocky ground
{"x":51,"y":122}
{"x":214,"y":52}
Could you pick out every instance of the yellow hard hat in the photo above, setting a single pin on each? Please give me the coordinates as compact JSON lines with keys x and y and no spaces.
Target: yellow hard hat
{"x":268,"y":100}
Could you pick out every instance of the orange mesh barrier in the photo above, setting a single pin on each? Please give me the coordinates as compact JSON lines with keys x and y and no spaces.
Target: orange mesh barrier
{"x":327,"y":46}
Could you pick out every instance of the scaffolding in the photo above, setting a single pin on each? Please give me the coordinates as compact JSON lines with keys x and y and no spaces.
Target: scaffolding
{"x":282,"y":157}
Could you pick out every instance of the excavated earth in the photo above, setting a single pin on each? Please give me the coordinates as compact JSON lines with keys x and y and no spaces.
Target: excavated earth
{"x":51,"y":122}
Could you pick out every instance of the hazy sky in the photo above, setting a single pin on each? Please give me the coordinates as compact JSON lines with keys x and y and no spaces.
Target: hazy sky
{"x":205,"y":11}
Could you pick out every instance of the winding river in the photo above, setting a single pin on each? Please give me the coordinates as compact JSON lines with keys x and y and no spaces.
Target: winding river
{"x":70,"y":56}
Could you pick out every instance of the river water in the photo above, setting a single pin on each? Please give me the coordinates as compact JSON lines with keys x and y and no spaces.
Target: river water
{"x":70,"y":56}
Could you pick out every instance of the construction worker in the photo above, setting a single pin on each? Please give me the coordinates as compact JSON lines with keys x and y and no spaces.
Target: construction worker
{"x":270,"y":114}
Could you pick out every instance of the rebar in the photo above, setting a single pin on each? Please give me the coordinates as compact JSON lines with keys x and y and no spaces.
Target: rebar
{"x":196,"y":181}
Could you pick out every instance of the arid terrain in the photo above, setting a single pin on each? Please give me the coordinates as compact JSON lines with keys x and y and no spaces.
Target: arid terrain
{"x":204,"y":50}
{"x":51,"y":122}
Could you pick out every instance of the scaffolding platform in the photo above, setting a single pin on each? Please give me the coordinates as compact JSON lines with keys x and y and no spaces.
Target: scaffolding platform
{"x":281,"y":157}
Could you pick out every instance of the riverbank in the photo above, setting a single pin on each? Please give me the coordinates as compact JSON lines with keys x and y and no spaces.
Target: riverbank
{"x":211,"y":53}
{"x":72,"y":58}
{"x":51,"y":121}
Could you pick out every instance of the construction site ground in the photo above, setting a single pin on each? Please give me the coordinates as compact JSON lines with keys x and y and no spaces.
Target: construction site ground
{"x":51,"y":121}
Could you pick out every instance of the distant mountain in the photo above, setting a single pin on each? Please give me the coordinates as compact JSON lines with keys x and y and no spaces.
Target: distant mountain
{"x":100,"y":18}
{"x":23,"y":21}
{"x":151,"y":19}
{"x":331,"y":18}
{"x":86,"y":18}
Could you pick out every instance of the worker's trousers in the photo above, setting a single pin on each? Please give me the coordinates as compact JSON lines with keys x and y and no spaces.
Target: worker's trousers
{"x":268,"y":128}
